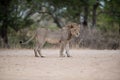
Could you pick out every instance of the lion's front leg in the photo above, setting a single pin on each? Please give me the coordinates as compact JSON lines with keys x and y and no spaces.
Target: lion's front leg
{"x":61,"y":50}
{"x":67,"y":49}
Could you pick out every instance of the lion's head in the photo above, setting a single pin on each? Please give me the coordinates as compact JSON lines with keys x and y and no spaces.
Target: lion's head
{"x":74,"y":29}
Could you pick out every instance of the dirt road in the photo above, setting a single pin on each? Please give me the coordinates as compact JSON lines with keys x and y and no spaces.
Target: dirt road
{"x":83,"y":65}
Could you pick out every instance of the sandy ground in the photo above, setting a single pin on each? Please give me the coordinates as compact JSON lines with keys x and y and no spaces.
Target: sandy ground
{"x":83,"y":65}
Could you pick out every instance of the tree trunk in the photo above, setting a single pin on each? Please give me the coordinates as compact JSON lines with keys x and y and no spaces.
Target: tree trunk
{"x":56,"y":20}
{"x":5,"y":22}
{"x":85,"y":22}
{"x":119,"y":28}
{"x":4,"y":36}
{"x":94,"y":16}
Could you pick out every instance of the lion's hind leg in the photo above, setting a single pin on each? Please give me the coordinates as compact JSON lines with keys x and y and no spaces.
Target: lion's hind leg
{"x":35,"y":51}
{"x":39,"y":49}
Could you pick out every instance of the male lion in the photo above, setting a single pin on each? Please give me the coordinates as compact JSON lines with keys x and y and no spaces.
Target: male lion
{"x":62,"y":36}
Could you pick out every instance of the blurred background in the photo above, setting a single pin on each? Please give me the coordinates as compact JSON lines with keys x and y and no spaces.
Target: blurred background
{"x":99,"y":20}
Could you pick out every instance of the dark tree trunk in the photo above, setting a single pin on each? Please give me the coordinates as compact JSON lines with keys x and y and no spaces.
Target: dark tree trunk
{"x":56,"y":20}
{"x":85,"y":22}
{"x":94,"y":16}
{"x":5,"y":21}
{"x":4,"y":30}
{"x":119,"y":28}
{"x":4,"y":36}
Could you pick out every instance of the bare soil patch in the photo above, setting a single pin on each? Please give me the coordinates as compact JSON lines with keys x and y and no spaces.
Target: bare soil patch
{"x":83,"y":65}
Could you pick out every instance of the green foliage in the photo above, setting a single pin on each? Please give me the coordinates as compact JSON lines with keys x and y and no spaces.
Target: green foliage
{"x":109,"y":20}
{"x":15,"y":15}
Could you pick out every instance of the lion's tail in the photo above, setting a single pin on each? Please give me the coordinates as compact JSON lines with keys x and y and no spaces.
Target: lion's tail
{"x":28,"y":40}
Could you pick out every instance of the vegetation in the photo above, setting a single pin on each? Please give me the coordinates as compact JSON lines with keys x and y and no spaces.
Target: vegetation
{"x":100,"y":20}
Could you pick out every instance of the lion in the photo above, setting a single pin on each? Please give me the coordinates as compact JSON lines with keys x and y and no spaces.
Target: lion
{"x":61,"y":36}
